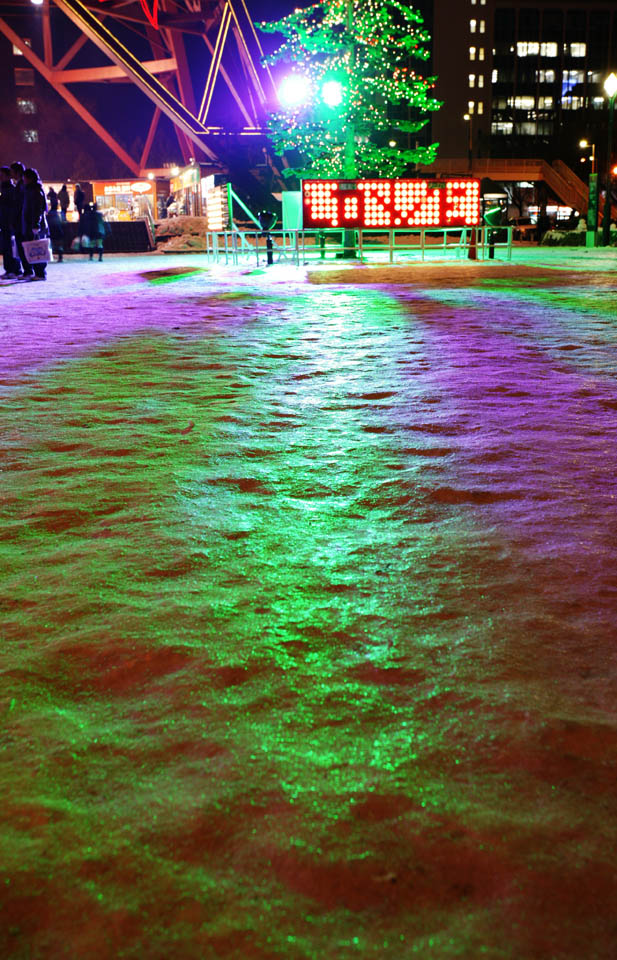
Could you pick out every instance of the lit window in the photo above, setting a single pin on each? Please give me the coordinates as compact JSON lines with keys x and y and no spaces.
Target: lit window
{"x":482,"y":3}
{"x":545,"y":103}
{"x":24,"y":77}
{"x":480,"y":53}
{"x":570,"y":79}
{"x":494,"y":76}
{"x":481,"y":80}
{"x":482,"y":26}
{"x":573,"y":103}
{"x":545,"y":76}
{"x":472,"y":53}
{"x":528,"y":129}
{"x":26,"y":106}
{"x":522,"y":103}
{"x":526,"y":48}
{"x":17,"y":52}
{"x":598,"y":103}
{"x":480,"y":107}
{"x":473,"y":3}
{"x":548,"y":49}
{"x":578,"y":49}
{"x":472,"y":26}
{"x":471,"y":106}
{"x":502,"y":127}
{"x":472,"y":79}
{"x":31,"y":136}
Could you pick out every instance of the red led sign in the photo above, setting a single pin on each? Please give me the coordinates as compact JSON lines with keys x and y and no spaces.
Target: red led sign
{"x":391,"y":204}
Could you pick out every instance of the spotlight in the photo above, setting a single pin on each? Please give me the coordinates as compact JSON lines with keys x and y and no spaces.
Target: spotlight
{"x":332,"y":93}
{"x":293,"y":90}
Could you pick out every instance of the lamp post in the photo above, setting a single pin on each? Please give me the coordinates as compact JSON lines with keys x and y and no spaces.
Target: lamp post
{"x":468,"y":117}
{"x":610,"y":88}
{"x":586,"y":145}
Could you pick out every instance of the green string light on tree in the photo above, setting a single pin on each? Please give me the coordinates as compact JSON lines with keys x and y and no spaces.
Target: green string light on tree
{"x":364,"y":50}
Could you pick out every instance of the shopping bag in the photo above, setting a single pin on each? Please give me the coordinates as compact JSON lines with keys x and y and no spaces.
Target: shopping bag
{"x":37,"y":251}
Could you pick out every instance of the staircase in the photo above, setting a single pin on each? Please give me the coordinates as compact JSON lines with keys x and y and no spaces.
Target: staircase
{"x":558,"y":176}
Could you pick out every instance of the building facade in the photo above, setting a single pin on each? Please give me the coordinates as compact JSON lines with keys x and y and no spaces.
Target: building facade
{"x":521,"y":78}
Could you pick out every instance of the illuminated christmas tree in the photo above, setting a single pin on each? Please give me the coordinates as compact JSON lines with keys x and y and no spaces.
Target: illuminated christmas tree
{"x":352,"y":99}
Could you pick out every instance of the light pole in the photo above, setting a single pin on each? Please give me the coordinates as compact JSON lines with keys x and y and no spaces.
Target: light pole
{"x":610,"y":88}
{"x":586,"y":145}
{"x":468,"y":117}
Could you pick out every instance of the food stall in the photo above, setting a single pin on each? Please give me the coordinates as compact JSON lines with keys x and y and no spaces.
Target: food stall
{"x":126,"y":199}
{"x":197,"y":192}
{"x":186,"y":192}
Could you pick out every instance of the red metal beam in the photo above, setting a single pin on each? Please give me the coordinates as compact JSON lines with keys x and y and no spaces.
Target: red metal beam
{"x":101,"y":74}
{"x":92,"y":122}
{"x":150,"y":138}
{"x":47,"y":42}
{"x":71,"y":52}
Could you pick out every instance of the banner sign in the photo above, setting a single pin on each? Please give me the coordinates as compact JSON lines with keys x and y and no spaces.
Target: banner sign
{"x":391,"y":204}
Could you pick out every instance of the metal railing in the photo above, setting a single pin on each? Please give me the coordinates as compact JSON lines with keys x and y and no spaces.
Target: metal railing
{"x":241,"y":247}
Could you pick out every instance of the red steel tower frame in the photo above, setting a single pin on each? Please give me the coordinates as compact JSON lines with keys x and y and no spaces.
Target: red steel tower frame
{"x":176,"y":87}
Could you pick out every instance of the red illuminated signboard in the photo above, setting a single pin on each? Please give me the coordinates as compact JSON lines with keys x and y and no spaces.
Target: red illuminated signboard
{"x":391,"y":204}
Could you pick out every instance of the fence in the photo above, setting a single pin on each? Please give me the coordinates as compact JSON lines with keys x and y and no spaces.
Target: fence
{"x":237,"y":247}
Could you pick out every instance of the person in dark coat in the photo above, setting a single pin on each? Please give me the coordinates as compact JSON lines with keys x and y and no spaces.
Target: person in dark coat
{"x":33,"y":218}
{"x":12,"y":266}
{"x":64,"y":199}
{"x":92,"y":230}
{"x":79,"y":199}
{"x":56,"y":232}
{"x":17,"y":175}
{"x":54,"y":222}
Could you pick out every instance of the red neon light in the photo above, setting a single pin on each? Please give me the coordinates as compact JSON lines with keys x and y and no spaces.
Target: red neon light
{"x":391,"y":204}
{"x":152,"y":15}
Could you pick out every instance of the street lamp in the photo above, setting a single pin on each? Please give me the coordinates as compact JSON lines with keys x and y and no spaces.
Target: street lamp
{"x":293,"y":91}
{"x":586,"y":145}
{"x":468,"y":117}
{"x":610,"y":88}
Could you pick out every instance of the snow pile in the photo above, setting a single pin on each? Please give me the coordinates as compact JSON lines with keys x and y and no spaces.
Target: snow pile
{"x":182,"y":234}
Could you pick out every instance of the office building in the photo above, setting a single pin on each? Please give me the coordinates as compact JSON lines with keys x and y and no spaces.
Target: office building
{"x":522,"y":78}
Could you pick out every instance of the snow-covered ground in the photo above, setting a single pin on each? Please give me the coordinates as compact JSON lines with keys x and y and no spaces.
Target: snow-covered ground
{"x":308,"y":606}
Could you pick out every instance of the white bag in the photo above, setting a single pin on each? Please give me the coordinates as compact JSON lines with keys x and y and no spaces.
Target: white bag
{"x":37,"y":251}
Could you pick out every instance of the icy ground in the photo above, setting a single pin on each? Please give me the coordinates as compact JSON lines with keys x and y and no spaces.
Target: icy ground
{"x":308,"y":597}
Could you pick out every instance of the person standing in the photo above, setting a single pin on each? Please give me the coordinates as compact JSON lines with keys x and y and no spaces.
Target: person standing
{"x":64,"y":199}
{"x":79,"y":199}
{"x":17,"y":174}
{"x":12,"y":266}
{"x":33,"y":219}
{"x":52,"y":199}
{"x":93,"y":227}
{"x":56,"y":228}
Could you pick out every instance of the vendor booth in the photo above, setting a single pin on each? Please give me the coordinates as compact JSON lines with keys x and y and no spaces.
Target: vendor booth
{"x":126,"y":199}
{"x":197,"y":192}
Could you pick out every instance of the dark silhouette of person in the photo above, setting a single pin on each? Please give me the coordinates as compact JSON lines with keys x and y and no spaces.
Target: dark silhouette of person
{"x":33,"y":217}
{"x":79,"y":199}
{"x":64,"y":199}
{"x":93,"y":227}
{"x":52,"y":199}
{"x":12,"y":266}
{"x":17,"y":174}
{"x":56,"y":232}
